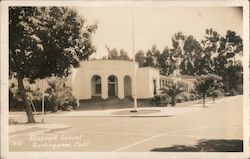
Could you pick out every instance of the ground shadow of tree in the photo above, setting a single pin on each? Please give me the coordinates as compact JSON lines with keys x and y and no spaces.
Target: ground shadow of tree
{"x":206,"y":146}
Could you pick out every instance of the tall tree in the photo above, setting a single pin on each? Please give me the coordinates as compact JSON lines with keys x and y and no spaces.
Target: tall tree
{"x":45,"y":41}
{"x":177,"y":51}
{"x":165,"y":61}
{"x":178,"y":40}
{"x":204,"y":62}
{"x":149,"y":60}
{"x":230,"y":45}
{"x":151,"y":57}
{"x":192,"y":50}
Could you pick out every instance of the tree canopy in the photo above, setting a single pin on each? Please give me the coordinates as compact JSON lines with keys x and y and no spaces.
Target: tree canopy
{"x":46,"y":41}
{"x":214,"y":54}
{"x":55,"y":38}
{"x":113,"y":54}
{"x":207,"y":84}
{"x":173,"y":91}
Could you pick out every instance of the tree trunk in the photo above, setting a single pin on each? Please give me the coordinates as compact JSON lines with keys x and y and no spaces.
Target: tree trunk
{"x":22,"y":92}
{"x":204,"y":98}
{"x":173,"y":101}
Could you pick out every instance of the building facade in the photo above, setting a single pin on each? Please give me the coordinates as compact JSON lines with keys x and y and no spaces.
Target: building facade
{"x":106,"y":79}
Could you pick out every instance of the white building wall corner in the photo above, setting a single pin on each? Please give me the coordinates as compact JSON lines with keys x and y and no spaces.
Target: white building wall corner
{"x":154,"y":75}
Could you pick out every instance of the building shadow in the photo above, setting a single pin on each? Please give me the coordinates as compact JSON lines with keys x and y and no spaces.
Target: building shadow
{"x":206,"y":146}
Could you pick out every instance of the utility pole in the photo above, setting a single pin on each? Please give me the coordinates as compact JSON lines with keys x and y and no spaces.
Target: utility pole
{"x":134,"y":90}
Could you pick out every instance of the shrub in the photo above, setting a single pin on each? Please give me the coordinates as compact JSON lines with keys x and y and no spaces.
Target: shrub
{"x":15,"y":102}
{"x":186,"y":96}
{"x":66,"y":100}
{"x":219,"y":93}
{"x":239,"y":89}
{"x":61,"y":96}
{"x":57,"y":96}
{"x":193,"y":97}
{"x":216,"y":93}
{"x":233,"y":92}
{"x":38,"y":104}
{"x":53,"y":103}
{"x":179,"y":99}
{"x":160,"y":99}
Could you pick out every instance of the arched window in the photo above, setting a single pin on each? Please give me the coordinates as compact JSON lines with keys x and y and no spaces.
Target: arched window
{"x":112,"y":86}
{"x":96,"y":84}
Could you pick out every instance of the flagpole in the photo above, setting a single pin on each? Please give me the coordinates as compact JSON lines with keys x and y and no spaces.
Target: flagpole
{"x":135,"y":98}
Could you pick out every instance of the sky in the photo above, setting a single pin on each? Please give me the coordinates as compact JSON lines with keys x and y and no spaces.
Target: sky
{"x":156,"y":25}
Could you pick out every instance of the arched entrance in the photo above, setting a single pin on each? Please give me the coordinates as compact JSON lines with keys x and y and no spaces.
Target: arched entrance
{"x":127,"y":86}
{"x":96,"y":86}
{"x":112,"y":86}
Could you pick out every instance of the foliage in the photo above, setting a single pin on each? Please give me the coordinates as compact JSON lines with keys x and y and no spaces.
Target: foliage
{"x":160,"y":99}
{"x":233,"y":92}
{"x":140,"y":58}
{"x":60,"y":95}
{"x":205,"y":63}
{"x":15,"y":101}
{"x":193,"y":96}
{"x":55,"y":38}
{"x":207,"y":84}
{"x":36,"y":32}
{"x":214,"y":54}
{"x":225,"y":64}
{"x":186,"y":96}
{"x":240,"y":88}
{"x":166,"y":62}
{"x":151,"y":57}
{"x":192,"y":50}
{"x":173,"y":91}
{"x":179,"y":99}
{"x":233,"y":76}
{"x":115,"y":55}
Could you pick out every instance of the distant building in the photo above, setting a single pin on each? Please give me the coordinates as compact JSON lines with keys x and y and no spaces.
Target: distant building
{"x":115,"y":79}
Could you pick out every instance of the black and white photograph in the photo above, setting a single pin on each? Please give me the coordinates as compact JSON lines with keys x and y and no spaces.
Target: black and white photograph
{"x":126,"y":79}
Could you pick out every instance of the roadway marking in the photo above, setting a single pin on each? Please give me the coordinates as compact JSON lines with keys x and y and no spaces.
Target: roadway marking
{"x":163,"y":134}
{"x":116,"y":133}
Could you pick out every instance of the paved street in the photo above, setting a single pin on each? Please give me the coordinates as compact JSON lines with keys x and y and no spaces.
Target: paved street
{"x":215,"y":128}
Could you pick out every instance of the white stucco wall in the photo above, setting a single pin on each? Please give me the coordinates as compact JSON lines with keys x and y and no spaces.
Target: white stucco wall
{"x":81,"y":77}
{"x":143,"y":83}
{"x":145,"y":77}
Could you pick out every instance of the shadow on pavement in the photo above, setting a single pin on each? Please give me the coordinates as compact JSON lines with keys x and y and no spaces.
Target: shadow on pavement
{"x":206,"y":146}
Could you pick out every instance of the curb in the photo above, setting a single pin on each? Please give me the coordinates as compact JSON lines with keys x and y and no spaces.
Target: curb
{"x":46,"y":130}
